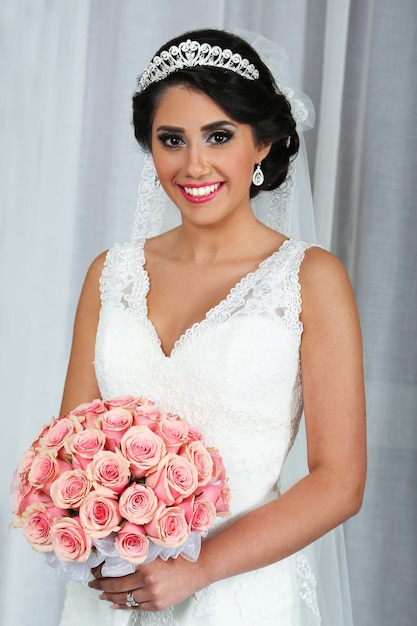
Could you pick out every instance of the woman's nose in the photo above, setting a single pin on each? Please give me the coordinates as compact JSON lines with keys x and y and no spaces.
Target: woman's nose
{"x":196,"y":162}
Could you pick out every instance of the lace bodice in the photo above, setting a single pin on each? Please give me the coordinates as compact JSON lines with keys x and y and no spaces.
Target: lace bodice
{"x":234,"y":374}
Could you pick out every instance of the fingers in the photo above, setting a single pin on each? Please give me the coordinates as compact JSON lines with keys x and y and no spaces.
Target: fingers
{"x":120,"y":585}
{"x":130,"y":600}
{"x":154,"y":586}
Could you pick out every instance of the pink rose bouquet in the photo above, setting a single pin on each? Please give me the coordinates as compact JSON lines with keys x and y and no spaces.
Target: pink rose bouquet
{"x":117,"y":482}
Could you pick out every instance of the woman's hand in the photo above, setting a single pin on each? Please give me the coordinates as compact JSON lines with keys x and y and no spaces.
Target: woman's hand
{"x":154,"y":586}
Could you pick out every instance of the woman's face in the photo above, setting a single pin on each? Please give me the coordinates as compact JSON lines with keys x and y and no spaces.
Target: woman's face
{"x":204,"y":159}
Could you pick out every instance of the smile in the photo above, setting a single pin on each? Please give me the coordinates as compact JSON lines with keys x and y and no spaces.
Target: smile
{"x":200,"y":193}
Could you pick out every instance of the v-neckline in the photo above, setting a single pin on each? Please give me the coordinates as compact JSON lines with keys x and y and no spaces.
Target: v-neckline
{"x":239,"y":285}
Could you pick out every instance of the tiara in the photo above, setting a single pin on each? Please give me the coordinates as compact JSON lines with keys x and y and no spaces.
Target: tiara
{"x":191,"y":54}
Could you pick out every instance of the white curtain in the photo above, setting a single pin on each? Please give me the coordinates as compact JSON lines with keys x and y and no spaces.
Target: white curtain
{"x":68,"y":177}
{"x":375,"y":234}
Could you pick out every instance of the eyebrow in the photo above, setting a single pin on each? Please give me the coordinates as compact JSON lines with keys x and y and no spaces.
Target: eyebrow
{"x":205,"y":128}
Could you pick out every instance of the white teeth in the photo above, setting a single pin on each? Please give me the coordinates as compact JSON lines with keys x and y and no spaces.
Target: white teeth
{"x":199,"y":192}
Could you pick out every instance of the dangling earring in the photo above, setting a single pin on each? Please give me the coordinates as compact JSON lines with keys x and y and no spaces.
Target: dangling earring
{"x":258,"y":176}
{"x":156,"y":182}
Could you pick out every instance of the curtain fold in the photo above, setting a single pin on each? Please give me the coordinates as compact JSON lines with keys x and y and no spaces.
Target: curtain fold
{"x":43,"y":51}
{"x":325,"y":174}
{"x":68,"y":178}
{"x":374,"y":234}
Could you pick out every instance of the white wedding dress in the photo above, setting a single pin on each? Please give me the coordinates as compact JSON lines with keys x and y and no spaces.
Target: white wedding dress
{"x":236,"y":376}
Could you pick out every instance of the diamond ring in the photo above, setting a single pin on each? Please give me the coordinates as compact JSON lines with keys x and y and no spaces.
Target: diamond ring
{"x":130,"y":600}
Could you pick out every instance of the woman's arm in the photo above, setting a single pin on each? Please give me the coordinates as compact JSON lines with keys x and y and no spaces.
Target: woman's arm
{"x":333,"y":380}
{"x":81,"y":383}
{"x":332,"y":374}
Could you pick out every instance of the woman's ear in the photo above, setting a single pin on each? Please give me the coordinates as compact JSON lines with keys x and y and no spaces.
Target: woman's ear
{"x":263,"y":151}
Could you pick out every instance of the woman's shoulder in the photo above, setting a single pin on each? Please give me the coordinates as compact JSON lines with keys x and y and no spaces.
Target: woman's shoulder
{"x":95,"y":270}
{"x":325,"y":284}
{"x":320,"y":266}
{"x":96,"y":266}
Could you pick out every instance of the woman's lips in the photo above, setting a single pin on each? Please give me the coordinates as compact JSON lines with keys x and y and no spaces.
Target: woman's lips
{"x":200,"y":193}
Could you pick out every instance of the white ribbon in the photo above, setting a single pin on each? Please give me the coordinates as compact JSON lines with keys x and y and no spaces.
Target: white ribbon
{"x":113,"y":565}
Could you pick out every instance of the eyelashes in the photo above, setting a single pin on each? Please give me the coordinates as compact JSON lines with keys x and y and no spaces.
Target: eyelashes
{"x":169,"y":140}
{"x":219,"y":137}
{"x":214,"y":138}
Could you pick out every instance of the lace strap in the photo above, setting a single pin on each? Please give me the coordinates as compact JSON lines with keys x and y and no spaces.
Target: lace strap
{"x":294,"y":256}
{"x":119,"y":280}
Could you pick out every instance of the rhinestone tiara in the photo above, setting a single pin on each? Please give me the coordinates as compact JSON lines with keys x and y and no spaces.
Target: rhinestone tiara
{"x":191,"y":54}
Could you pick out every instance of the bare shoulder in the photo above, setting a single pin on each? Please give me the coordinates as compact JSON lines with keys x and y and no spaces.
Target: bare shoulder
{"x":322,"y":271}
{"x":318,"y":264}
{"x":326,"y":288}
{"x":94,"y":272}
{"x":90,"y":298}
{"x":96,"y":267}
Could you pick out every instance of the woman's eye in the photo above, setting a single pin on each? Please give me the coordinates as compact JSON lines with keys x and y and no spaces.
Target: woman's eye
{"x":170,"y":141}
{"x":219,"y":137}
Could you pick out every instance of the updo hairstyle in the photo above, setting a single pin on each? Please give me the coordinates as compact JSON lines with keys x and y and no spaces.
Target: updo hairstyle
{"x":254,"y":102}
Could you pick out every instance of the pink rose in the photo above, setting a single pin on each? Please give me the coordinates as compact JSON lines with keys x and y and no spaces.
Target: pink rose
{"x":219,"y":494}
{"x":45,"y":468}
{"x":194,"y":434}
{"x":126,"y":402}
{"x":70,"y":489}
{"x":169,"y":527}
{"x":37,"y":527}
{"x":84,"y":445}
{"x":219,"y":472}
{"x":100,"y":515}
{"x":175,"y":478}
{"x":222,"y":503}
{"x":18,"y":490}
{"x":146,"y":414}
{"x":69,"y":540}
{"x":26,"y":461}
{"x":204,"y":514}
{"x":187,"y":505}
{"x":143,"y":449}
{"x":42,"y":433}
{"x":59,"y":431}
{"x":88,"y":412}
{"x":200,"y":514}
{"x":138,"y":504}
{"x":37,"y":522}
{"x":173,"y":431}
{"x":18,"y":479}
{"x":23,"y":496}
{"x":114,"y":424}
{"x":132,"y":544}
{"x":109,"y":469}
{"x":198,"y":455}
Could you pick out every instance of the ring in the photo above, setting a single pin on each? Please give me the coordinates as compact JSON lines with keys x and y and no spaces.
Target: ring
{"x":130,"y":600}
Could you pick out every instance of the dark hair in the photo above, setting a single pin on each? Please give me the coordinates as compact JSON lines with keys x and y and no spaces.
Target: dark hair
{"x":254,"y":102}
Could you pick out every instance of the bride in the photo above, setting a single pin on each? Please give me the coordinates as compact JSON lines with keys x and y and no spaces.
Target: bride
{"x":230,"y":323}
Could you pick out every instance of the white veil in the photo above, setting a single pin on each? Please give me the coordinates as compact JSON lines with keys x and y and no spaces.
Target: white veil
{"x":288,"y":210}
